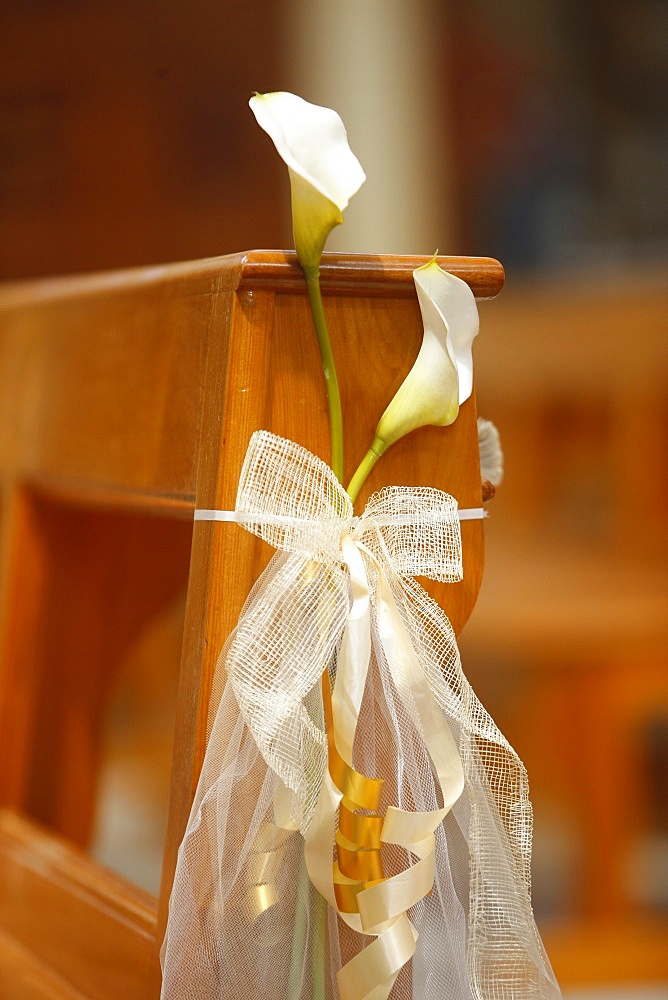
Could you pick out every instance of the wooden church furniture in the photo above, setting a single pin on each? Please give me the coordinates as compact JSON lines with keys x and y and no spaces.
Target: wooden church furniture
{"x":126,"y":400}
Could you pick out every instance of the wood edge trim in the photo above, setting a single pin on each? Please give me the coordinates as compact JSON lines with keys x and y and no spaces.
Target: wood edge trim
{"x":52,"y":858}
{"x":31,"y":291}
{"x":387,"y":275}
{"x":99,"y":496}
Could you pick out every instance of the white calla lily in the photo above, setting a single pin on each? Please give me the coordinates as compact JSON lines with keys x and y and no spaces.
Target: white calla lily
{"x":324,"y":172}
{"x":442,"y":377}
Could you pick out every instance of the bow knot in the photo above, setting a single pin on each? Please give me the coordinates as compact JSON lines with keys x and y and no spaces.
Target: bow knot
{"x":294,"y":502}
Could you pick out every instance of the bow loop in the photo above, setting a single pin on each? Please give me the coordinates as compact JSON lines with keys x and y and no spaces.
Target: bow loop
{"x":416,"y":530}
{"x":291,"y":498}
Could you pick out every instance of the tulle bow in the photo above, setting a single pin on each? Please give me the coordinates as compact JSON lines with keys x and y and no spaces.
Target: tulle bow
{"x":339,"y":602}
{"x":317,"y":607}
{"x":298,"y":613}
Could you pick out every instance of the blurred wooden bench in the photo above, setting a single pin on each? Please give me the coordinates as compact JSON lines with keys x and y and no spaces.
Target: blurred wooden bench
{"x":568,"y":646}
{"x":126,"y":400}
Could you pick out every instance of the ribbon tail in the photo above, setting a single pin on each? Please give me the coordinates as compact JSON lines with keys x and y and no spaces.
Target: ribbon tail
{"x":369,"y":902}
{"x":372,"y":973}
{"x":415,"y":692}
{"x":495,"y":819}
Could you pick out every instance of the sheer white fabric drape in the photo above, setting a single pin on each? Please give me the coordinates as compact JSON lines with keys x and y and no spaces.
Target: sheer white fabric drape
{"x":244,"y":917}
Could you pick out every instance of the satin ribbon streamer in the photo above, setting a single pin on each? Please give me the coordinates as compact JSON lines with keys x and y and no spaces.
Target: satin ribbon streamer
{"x":314,"y":599}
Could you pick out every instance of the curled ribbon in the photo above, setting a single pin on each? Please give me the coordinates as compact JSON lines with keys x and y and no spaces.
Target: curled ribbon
{"x":282,"y":794}
{"x":314,"y":606}
{"x":368,"y":902}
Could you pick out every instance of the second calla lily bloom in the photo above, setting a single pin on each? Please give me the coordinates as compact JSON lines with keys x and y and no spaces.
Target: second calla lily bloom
{"x":324,"y":172}
{"x":442,"y":376}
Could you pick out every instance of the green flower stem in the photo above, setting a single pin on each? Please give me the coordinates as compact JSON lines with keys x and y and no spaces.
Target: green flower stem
{"x":312,"y":275}
{"x":364,"y":468}
{"x":299,"y":934}
{"x":319,"y":930}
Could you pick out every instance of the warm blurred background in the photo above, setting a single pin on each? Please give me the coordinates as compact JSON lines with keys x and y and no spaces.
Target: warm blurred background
{"x":534,"y":131}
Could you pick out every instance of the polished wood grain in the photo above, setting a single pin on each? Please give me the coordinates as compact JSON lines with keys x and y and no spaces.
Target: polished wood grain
{"x":126,"y":400}
{"x":382,"y":275}
{"x":96,"y":931}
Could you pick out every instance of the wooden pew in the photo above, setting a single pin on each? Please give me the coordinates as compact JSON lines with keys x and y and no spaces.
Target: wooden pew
{"x":127,"y":400}
{"x":568,"y":646}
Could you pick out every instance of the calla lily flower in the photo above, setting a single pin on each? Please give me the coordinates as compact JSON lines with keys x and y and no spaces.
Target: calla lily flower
{"x":324,"y":172}
{"x":442,"y":377}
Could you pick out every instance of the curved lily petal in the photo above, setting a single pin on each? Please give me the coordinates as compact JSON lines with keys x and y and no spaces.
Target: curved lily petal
{"x":442,"y":376}
{"x":457,"y":323}
{"x":324,"y":172}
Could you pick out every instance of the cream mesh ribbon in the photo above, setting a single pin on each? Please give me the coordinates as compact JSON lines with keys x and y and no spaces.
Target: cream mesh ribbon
{"x":450,"y":818}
